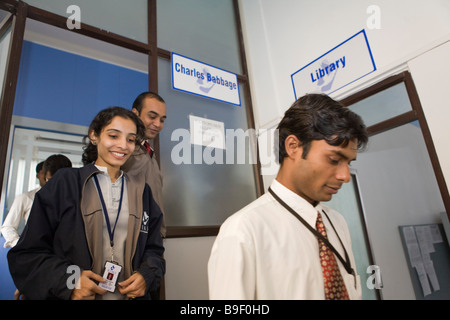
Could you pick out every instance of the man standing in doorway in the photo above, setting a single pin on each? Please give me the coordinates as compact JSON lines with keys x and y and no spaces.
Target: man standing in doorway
{"x":20,"y":210}
{"x":286,"y":244}
{"x":151,"y":108}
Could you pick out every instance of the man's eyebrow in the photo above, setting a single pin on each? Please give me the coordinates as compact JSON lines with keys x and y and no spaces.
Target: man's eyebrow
{"x":157,"y":114}
{"x":342,"y":155}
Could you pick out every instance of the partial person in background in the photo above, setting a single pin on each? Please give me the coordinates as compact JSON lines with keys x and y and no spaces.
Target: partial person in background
{"x":151,"y":109}
{"x":20,"y":209}
{"x":53,"y":164}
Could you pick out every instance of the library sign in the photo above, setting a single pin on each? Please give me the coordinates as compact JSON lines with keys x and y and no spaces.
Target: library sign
{"x":342,"y":65}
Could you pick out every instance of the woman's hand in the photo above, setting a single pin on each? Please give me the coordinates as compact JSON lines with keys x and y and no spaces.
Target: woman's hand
{"x":88,"y":288}
{"x":134,"y":286}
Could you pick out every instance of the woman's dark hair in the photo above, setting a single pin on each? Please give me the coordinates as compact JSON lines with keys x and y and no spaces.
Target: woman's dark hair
{"x":319,"y":117}
{"x":101,"y":120}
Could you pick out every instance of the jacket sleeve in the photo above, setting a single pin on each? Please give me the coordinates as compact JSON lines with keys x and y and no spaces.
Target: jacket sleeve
{"x":37,"y":272}
{"x":153,"y":266}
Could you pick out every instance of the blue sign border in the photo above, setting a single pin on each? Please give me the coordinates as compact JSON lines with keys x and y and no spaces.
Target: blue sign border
{"x":201,"y":95}
{"x":370,"y":53}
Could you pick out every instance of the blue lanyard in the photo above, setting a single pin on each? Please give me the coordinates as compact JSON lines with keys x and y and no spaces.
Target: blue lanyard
{"x":105,"y":211}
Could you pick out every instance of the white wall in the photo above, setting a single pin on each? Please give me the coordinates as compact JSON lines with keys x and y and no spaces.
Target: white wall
{"x":430,"y":75}
{"x":186,"y":273}
{"x":285,"y":35}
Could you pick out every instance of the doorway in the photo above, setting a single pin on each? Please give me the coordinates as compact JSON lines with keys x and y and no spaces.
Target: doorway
{"x":398,"y":181}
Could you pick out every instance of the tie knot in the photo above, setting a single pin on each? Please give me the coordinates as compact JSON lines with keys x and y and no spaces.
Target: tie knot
{"x":319,"y":218}
{"x":319,"y":224}
{"x":147,"y":146}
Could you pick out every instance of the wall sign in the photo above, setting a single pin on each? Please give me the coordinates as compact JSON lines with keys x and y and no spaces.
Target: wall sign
{"x":342,"y":65}
{"x":196,"y":77}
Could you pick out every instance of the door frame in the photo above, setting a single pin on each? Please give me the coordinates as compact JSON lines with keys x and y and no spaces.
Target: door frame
{"x":415,"y":114}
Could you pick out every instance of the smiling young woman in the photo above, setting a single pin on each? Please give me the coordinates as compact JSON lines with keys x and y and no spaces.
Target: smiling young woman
{"x":115,"y":144}
{"x":93,"y":218}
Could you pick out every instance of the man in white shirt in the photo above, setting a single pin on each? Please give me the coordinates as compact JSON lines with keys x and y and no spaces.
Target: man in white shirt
{"x":264,"y":251}
{"x":21,"y":207}
{"x":20,"y":210}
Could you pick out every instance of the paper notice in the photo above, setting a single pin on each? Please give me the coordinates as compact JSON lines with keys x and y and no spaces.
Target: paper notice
{"x":436,"y":236}
{"x":431,"y":272}
{"x":426,"y":236}
{"x":423,"y":279}
{"x":416,"y":259}
{"x":207,"y":132}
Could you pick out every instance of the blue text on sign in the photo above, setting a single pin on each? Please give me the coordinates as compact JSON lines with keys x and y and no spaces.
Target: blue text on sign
{"x":200,"y":75}
{"x":320,"y":73}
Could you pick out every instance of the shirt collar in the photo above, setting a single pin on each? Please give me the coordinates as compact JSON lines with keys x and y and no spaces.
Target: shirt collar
{"x":152,"y":151}
{"x":297,"y":203}
{"x":149,"y":143}
{"x":104,"y":171}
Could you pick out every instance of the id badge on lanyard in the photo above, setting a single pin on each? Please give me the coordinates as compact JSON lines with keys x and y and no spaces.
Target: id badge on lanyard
{"x":112,"y":268}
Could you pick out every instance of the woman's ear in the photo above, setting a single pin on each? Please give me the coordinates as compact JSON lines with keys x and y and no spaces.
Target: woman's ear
{"x":93,"y":137}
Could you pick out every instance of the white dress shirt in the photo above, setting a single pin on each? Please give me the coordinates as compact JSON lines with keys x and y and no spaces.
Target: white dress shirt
{"x":20,"y":209}
{"x":264,"y":252}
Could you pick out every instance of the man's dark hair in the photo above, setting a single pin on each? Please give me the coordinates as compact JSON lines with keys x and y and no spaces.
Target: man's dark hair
{"x":39,"y":166}
{"x":319,"y":117}
{"x":137,"y":104}
{"x":56,"y":162}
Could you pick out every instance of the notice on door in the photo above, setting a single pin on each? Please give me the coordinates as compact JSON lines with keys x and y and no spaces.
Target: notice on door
{"x":206,"y":132}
